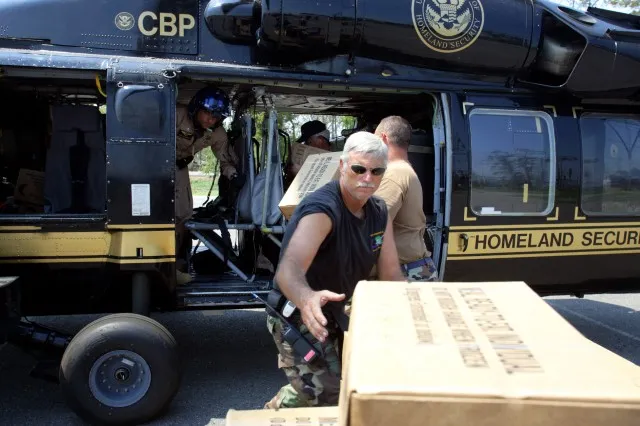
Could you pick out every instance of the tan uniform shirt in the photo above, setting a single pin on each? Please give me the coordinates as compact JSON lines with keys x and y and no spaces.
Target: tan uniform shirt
{"x":402,"y":192}
{"x":187,"y":144}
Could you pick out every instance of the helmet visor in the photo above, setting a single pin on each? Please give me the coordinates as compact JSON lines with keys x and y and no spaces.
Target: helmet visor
{"x":215,"y":105}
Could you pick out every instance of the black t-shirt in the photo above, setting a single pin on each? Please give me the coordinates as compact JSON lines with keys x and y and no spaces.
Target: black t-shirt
{"x":351,"y":248}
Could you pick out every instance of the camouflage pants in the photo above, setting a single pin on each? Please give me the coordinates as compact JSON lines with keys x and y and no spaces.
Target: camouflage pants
{"x":310,"y":385}
{"x":426,"y":272}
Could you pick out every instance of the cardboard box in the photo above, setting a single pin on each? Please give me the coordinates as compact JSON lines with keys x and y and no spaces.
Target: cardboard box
{"x":482,"y":354}
{"x":30,"y":187}
{"x":316,"y":416}
{"x":316,"y":171}
{"x":300,"y":152}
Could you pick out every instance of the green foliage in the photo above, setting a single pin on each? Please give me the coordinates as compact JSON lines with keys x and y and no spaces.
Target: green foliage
{"x":207,"y":160}
{"x":290,"y":123}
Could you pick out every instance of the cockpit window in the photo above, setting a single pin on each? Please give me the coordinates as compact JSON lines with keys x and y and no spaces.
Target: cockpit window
{"x":512,"y":162}
{"x":610,"y":164}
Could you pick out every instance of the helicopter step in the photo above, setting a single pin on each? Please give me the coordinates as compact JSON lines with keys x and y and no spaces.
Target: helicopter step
{"x":221,"y":292}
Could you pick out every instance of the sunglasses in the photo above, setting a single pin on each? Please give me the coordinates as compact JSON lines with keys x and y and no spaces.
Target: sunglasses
{"x":360,"y":170}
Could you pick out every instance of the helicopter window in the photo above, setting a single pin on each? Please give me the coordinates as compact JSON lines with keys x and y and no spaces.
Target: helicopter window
{"x":55,"y":163}
{"x":610,"y":164}
{"x":512,"y":162}
{"x":140,"y":109}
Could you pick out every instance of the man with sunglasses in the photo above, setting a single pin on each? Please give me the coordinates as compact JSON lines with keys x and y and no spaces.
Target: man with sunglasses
{"x":199,"y":126}
{"x":402,"y":191}
{"x":335,"y":236}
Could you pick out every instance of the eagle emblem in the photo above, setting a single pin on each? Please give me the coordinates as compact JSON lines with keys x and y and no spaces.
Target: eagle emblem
{"x":448,"y":18}
{"x":124,"y":21}
{"x":448,"y":26}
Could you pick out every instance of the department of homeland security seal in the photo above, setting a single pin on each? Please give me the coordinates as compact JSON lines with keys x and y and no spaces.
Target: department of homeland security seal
{"x":447,"y":26}
{"x":124,"y":21}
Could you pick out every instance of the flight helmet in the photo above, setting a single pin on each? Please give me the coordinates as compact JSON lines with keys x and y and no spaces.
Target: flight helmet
{"x":210,"y":99}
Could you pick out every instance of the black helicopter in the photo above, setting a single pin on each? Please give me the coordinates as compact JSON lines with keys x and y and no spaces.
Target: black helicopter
{"x":526,"y":123}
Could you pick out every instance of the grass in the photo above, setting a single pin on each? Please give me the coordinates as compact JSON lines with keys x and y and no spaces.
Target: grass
{"x":200,"y":186}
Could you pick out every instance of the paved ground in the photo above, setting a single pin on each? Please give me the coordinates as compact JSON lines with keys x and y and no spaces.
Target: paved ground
{"x":198,"y":200}
{"x":230,"y":361}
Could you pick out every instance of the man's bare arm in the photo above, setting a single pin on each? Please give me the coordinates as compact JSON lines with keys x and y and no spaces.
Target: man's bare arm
{"x":292,"y":269}
{"x":388,"y":263}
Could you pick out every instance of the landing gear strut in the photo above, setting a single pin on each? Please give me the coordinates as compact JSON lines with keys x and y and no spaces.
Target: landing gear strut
{"x":46,"y":345}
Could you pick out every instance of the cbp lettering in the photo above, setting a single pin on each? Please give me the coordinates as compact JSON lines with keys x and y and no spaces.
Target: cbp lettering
{"x":166,"y":24}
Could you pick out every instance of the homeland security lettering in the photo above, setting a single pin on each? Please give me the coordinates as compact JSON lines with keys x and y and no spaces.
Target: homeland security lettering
{"x":557,"y":239}
{"x":543,"y":240}
{"x":523,"y":240}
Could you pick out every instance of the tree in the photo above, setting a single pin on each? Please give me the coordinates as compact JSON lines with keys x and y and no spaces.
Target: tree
{"x":290,"y":123}
{"x":633,"y":5}
{"x":628,"y":6}
{"x":208,"y":161}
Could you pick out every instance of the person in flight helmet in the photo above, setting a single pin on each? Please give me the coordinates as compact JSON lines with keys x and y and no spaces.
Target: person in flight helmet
{"x":199,"y":126}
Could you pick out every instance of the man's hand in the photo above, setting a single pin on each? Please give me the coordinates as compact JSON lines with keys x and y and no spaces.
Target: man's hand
{"x":292,"y":269}
{"x":184,"y":162}
{"x":311,"y":311}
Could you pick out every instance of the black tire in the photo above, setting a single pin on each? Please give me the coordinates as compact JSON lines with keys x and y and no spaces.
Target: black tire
{"x":136,"y":348}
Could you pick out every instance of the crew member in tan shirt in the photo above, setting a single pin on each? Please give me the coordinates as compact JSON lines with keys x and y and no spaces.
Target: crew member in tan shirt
{"x":199,"y":126}
{"x":402,"y":192}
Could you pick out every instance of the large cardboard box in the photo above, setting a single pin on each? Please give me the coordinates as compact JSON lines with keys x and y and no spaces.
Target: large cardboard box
{"x":300,"y":152}
{"x":316,"y":171}
{"x":315,"y":416}
{"x":481,"y":354}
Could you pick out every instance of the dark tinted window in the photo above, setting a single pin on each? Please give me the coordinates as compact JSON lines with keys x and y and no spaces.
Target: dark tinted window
{"x":610,"y":164}
{"x":140,"y":111}
{"x":512,"y":162}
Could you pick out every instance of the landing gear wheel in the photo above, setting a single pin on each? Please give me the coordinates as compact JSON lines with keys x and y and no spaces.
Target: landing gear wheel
{"x":120,"y":369}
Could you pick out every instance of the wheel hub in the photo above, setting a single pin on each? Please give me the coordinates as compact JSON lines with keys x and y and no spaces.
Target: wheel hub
{"x":119,"y":378}
{"x":122,"y":374}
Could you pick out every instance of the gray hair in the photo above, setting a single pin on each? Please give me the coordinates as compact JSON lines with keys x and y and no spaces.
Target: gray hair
{"x":364,"y":143}
{"x":397,"y":129}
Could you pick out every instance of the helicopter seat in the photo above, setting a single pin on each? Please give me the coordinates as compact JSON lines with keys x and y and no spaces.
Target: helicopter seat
{"x":75,"y":170}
